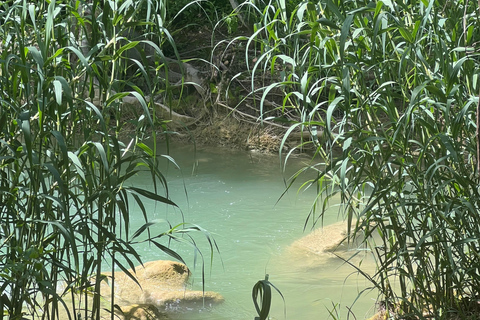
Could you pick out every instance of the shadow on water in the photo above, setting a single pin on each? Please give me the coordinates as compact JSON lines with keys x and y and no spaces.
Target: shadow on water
{"x":234,"y":194}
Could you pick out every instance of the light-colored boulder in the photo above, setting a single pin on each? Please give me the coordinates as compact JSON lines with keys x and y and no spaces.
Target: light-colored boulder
{"x":324,"y":240}
{"x":163,"y":284}
{"x":323,"y":246}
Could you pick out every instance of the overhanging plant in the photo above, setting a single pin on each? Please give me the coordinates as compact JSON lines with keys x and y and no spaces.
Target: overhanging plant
{"x":66,"y":157}
{"x":392,"y":87}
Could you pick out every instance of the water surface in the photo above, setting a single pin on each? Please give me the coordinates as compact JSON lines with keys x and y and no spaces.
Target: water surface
{"x":235,"y":195}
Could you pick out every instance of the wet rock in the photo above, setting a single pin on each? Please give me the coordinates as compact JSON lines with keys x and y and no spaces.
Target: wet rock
{"x":324,"y":246}
{"x":161,"y":284}
{"x":324,"y":240}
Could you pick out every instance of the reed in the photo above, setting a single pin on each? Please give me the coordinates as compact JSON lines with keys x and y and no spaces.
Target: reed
{"x":66,"y":157}
{"x":393,"y":87}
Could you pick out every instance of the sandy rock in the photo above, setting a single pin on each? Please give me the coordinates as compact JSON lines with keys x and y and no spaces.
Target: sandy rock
{"x":324,"y":246}
{"x":163,"y":284}
{"x":324,"y":240}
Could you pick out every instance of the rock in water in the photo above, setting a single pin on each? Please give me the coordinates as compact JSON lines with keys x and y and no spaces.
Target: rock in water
{"x":323,"y":246}
{"x":324,"y":240}
{"x":163,"y":284}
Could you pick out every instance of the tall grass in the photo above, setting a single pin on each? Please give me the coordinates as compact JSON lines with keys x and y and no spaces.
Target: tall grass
{"x":392,"y":86}
{"x":66,"y":156}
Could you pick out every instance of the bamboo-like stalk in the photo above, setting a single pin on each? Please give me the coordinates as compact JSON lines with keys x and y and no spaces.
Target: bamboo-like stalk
{"x":393,"y":87}
{"x":65,"y":176}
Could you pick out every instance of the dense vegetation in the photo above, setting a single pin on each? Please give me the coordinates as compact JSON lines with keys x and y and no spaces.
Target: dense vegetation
{"x":65,"y":190}
{"x":391,"y":87}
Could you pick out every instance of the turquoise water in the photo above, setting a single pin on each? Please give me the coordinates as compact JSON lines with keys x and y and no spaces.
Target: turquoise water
{"x":235,"y":195}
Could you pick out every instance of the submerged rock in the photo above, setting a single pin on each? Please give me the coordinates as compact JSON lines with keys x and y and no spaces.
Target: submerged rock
{"x":324,"y":246}
{"x":326,"y":240}
{"x":161,"y":286}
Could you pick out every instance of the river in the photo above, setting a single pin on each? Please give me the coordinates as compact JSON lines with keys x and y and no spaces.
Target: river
{"x":235,"y":195}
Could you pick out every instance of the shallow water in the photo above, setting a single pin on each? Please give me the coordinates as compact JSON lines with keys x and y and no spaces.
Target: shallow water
{"x":235,"y":196}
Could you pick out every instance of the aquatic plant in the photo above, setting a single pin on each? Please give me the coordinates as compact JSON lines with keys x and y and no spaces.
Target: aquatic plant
{"x":262,"y":292}
{"x":392,"y":88}
{"x":70,"y":145}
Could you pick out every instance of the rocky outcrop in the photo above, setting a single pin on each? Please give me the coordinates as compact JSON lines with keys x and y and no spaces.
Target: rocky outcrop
{"x":160,"y":287}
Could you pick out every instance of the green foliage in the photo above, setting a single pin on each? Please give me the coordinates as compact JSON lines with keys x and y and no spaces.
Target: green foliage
{"x":262,"y":292}
{"x":65,"y":173}
{"x":392,"y":85}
